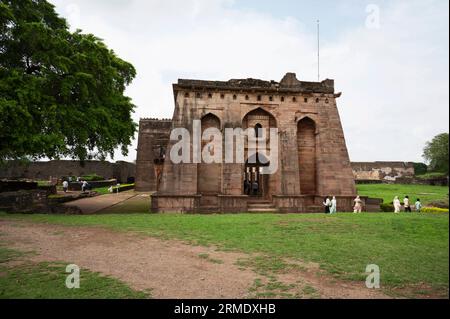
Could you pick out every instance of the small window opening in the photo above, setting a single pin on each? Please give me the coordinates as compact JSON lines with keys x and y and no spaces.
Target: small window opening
{"x":257,"y":130}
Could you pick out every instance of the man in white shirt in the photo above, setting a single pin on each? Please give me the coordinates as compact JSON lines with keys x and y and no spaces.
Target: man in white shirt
{"x":65,"y":186}
{"x":84,"y":185}
{"x":406,"y":204}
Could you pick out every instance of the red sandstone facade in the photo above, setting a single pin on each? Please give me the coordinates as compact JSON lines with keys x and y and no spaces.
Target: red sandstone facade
{"x":313,"y":161}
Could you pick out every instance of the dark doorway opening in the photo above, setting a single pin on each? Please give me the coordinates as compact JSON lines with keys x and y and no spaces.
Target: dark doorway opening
{"x":255,"y":183}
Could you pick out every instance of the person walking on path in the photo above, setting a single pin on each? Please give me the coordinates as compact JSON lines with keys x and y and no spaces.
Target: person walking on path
{"x":333,"y":205}
{"x":397,"y":205}
{"x":418,"y":205}
{"x":358,"y":205}
{"x":406,"y":204}
{"x":327,"y":204}
{"x":84,"y":186}
{"x":65,"y":185}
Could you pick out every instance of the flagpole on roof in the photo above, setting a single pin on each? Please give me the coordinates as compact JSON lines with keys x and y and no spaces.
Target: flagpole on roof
{"x":318,"y":50}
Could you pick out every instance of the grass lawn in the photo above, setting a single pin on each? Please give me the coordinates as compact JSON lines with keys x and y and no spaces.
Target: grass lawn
{"x":47,"y":281}
{"x":426,"y":193}
{"x":410,"y":249}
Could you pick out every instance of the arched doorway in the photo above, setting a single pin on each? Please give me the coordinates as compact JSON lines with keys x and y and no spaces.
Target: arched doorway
{"x":306,"y":142}
{"x":209,"y":174}
{"x":255,"y":183}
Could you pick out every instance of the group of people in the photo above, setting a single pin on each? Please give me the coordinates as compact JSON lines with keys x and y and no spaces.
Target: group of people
{"x":84,"y":184}
{"x":251,"y":188}
{"x":331,"y":205}
{"x":406,"y":204}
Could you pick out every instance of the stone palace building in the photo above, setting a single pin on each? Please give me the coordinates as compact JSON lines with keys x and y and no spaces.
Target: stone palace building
{"x":313,"y":161}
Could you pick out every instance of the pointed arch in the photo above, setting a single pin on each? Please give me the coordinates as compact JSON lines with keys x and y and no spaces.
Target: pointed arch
{"x":210,"y":120}
{"x":306,"y":143}
{"x":266,"y":118}
{"x":209,"y":177}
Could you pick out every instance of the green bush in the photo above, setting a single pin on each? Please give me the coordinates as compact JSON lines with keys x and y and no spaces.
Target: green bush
{"x":387,"y":207}
{"x":420,"y":168}
{"x":443,"y":203}
{"x":432,"y":175}
{"x":433,"y":210}
{"x":92,"y":177}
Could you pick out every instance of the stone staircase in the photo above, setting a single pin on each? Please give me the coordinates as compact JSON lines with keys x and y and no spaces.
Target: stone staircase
{"x":261,"y":206}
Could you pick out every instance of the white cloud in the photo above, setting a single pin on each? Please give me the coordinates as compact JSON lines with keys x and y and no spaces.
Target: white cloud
{"x":394,"y":79}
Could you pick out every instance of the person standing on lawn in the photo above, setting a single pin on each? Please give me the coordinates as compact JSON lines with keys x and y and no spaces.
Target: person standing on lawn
{"x":333,"y":205}
{"x":358,"y":205}
{"x":406,"y":204}
{"x":418,"y":205}
{"x":327,"y":204}
{"x":397,"y":205}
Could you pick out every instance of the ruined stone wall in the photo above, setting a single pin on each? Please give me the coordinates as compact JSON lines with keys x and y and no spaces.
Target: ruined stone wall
{"x":120,"y":170}
{"x":383,"y":171}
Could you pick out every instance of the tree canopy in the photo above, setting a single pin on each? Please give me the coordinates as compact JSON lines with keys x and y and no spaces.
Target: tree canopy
{"x":61,"y":92}
{"x":436,"y":153}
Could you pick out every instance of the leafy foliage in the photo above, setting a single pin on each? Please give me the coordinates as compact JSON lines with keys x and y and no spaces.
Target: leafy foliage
{"x":434,"y":210}
{"x":436,"y":152}
{"x":61,"y":93}
{"x":420,"y":168}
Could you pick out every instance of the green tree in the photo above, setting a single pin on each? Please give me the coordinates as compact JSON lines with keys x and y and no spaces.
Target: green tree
{"x":420,"y":168}
{"x":61,"y":92}
{"x":436,"y":153}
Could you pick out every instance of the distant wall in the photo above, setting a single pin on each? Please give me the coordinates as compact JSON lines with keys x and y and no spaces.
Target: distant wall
{"x":382,"y":171}
{"x":122,"y":171}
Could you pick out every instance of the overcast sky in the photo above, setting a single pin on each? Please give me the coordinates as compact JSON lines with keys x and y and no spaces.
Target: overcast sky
{"x":389,"y":58}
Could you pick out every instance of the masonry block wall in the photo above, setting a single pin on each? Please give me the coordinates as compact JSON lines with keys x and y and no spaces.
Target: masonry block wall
{"x":312,"y":155}
{"x":120,"y":170}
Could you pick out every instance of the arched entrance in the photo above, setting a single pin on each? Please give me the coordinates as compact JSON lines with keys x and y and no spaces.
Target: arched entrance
{"x":209,"y":174}
{"x":255,"y":183}
{"x":306,"y":143}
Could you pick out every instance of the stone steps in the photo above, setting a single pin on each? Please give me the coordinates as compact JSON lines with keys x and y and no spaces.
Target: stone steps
{"x":261,"y":207}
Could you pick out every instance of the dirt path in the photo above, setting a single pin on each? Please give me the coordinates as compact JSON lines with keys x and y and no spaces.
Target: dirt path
{"x":171,"y":269}
{"x":92,"y":205}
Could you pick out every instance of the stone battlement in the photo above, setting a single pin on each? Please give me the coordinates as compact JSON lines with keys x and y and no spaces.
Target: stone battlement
{"x":289,"y":83}
{"x":151,"y":119}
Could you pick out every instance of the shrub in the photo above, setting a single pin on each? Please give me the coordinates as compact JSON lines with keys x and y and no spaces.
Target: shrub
{"x":420,"y":168}
{"x":432,"y":175}
{"x":433,"y":210}
{"x":443,"y":203}
{"x":387,"y":207}
{"x":92,"y":177}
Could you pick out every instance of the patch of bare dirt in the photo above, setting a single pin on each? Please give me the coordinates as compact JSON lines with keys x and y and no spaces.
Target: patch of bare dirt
{"x":171,"y":269}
